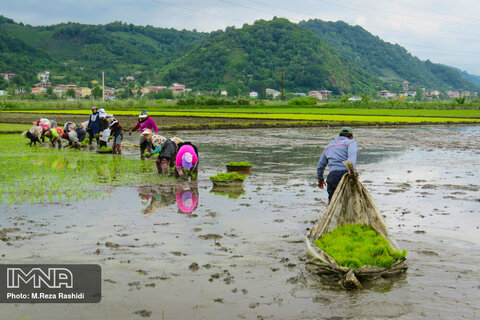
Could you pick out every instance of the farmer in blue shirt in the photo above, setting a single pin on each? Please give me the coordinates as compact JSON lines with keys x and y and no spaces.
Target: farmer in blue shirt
{"x":335,"y":154}
{"x":93,"y":127}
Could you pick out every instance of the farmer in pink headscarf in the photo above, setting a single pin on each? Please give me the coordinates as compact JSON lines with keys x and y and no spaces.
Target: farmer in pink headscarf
{"x":187,"y":158}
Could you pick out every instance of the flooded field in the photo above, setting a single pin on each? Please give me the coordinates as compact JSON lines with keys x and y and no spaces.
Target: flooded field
{"x":177,"y":250}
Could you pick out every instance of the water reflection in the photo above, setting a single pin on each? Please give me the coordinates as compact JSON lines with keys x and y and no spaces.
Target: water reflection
{"x":231,"y":193}
{"x":186,"y":198}
{"x":159,"y":197}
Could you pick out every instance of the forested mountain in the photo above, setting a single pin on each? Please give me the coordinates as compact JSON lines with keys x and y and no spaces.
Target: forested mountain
{"x":313,"y":54}
{"x":383,"y":59}
{"x":254,"y":56}
{"x":81,"y":51}
{"x":470,"y":77}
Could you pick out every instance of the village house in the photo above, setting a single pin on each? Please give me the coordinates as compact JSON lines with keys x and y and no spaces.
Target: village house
{"x":465,"y":94}
{"x":83,"y":92}
{"x":385,"y":94}
{"x":223,"y":93}
{"x":453,"y":94}
{"x":7,"y":76}
{"x":44,"y":76}
{"x":60,"y":89}
{"x":253,"y":94}
{"x":39,"y":90}
{"x":434,"y":93}
{"x":3,"y":93}
{"x":272,"y":92}
{"x":109,"y":92}
{"x":152,"y":89}
{"x":178,"y":88}
{"x":319,"y":94}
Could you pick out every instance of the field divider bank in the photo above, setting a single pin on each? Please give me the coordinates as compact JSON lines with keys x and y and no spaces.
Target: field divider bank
{"x":321,"y":118}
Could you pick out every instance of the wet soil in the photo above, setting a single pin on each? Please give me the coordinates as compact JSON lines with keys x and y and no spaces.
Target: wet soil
{"x":243,"y":257}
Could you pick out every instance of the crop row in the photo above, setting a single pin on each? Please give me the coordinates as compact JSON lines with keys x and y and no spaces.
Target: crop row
{"x":325,"y":118}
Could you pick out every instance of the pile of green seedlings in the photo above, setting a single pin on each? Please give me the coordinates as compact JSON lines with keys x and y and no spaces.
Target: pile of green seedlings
{"x":354,"y":246}
{"x":39,"y":174}
{"x":228,"y":177}
{"x":240,"y":164}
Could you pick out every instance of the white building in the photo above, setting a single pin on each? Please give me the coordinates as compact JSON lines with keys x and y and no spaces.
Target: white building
{"x":272,"y":92}
{"x":355,"y":98}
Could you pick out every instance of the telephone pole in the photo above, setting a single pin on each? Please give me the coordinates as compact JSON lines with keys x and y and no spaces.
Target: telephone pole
{"x":103,"y":86}
{"x":283,"y":94}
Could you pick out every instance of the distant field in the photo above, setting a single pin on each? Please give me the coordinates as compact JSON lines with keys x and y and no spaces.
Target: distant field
{"x":14,"y":127}
{"x":365,"y":116}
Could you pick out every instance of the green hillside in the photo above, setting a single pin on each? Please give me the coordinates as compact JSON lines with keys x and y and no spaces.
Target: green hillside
{"x":383,"y":59}
{"x":313,"y":54}
{"x":81,"y":51}
{"x":252,"y":58}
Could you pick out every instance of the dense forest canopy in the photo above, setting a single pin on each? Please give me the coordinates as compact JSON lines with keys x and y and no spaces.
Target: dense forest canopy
{"x":313,"y":54}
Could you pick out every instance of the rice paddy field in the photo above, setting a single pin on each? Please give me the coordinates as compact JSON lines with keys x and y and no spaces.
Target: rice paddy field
{"x":173,"y":249}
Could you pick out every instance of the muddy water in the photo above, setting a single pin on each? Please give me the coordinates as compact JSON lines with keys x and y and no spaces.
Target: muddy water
{"x":181,"y":251}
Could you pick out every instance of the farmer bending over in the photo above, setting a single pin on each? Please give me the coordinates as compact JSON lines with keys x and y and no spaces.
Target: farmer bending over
{"x":35,"y":133}
{"x":335,"y":154}
{"x":144,"y":122}
{"x":166,"y":149}
{"x":187,"y":158}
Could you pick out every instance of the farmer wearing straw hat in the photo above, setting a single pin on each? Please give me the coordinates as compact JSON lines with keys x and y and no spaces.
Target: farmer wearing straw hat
{"x":335,"y":154}
{"x":144,"y":122}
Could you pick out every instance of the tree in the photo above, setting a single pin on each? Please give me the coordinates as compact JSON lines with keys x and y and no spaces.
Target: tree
{"x":97,"y":92}
{"x":70,"y":93}
{"x":18,"y":80}
{"x":419,"y":94}
{"x":460,"y":100}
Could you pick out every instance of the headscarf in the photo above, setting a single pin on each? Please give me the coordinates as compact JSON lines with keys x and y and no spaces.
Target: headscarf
{"x":158,"y":141}
{"x":177,"y":140}
{"x":102,"y":113}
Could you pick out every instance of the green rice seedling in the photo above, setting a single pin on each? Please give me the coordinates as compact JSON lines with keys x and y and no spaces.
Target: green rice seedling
{"x":228,"y":176}
{"x":240,"y":164}
{"x":354,"y":246}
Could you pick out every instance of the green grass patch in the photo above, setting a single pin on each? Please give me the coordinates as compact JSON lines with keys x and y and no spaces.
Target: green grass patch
{"x":228,"y":176}
{"x":14,"y":127}
{"x":354,"y":246}
{"x":39,"y":174}
{"x":240,"y":164}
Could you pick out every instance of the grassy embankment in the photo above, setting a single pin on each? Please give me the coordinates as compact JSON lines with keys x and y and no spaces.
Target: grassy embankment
{"x":275,"y":115}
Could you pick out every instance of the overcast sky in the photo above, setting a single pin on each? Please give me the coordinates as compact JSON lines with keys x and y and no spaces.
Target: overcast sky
{"x":444,"y":31}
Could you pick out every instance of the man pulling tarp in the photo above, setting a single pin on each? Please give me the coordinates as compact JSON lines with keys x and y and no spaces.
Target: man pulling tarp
{"x":351,"y":213}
